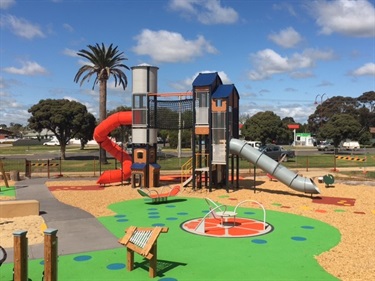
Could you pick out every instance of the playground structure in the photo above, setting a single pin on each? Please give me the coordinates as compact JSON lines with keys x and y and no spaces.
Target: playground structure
{"x":221,"y":222}
{"x":143,"y":241}
{"x":101,"y":136}
{"x":211,"y":110}
{"x":161,"y":195}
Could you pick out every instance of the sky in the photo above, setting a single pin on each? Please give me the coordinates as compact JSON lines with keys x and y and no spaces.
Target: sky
{"x":282,"y":56}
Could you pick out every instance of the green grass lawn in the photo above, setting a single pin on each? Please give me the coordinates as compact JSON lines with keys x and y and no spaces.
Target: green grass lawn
{"x":86,"y":163}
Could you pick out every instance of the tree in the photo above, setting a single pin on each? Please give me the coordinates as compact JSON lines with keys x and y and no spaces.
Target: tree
{"x":339,"y":128}
{"x":367,"y":112}
{"x":361,"y":108}
{"x":87,"y":131}
{"x":265,"y":127}
{"x":103,"y":62}
{"x":122,"y":133}
{"x":66,"y":119}
{"x":330,"y":107}
{"x":368,"y":99}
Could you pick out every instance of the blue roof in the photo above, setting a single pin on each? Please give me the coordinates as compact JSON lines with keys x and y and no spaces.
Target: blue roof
{"x":138,"y":166}
{"x":155,"y":165}
{"x":224,"y":91}
{"x":205,"y":79}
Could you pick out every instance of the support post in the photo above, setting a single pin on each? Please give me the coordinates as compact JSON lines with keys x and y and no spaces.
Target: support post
{"x":3,"y":173}
{"x":48,"y":168}
{"x":20,"y":256}
{"x":50,"y":255}
{"x":153,"y":261}
{"x":130,"y":259}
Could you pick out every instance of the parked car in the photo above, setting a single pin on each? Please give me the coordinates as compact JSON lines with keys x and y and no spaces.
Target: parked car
{"x":52,"y":142}
{"x":350,"y":145}
{"x":326,"y":146}
{"x":277,"y":153}
{"x":255,"y":144}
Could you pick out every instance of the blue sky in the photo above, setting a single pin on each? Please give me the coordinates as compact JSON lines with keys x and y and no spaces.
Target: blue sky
{"x":281,"y":55}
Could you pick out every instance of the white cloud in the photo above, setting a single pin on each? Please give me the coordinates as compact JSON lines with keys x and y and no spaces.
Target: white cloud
{"x":206,"y":12}
{"x":5,"y":4}
{"x":70,"y":52}
{"x":267,"y":62}
{"x":283,"y":6}
{"x":299,"y":112}
{"x":29,"y":68}
{"x":68,"y":27}
{"x":351,"y":18}
{"x":366,"y":69}
{"x":11,"y":110}
{"x":287,"y":38}
{"x":166,"y":46}
{"x":21,"y":27}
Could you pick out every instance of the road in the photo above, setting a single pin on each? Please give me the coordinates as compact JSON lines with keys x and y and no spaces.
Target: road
{"x":91,"y":152}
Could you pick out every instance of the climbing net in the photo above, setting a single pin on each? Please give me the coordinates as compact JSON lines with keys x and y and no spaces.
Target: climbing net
{"x":171,"y":114}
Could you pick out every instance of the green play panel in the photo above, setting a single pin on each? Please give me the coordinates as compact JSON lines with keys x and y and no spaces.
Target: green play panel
{"x":285,"y":253}
{"x":7,"y":191}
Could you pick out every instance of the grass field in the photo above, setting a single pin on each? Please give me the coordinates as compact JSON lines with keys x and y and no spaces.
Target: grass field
{"x":86,"y":162}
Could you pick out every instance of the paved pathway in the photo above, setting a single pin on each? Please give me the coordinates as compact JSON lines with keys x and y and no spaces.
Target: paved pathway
{"x":77,"y":230}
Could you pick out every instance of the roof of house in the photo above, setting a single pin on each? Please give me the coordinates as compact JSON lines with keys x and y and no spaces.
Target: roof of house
{"x":5,"y":132}
{"x":224,"y":91}
{"x":206,"y":79}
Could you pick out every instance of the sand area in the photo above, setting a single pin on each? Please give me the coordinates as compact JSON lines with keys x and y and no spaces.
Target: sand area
{"x":352,"y":259}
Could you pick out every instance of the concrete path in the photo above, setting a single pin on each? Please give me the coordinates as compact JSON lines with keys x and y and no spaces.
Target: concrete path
{"x":77,"y":230}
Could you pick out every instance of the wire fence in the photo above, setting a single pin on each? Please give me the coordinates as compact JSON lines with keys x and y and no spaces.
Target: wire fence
{"x":16,"y":168}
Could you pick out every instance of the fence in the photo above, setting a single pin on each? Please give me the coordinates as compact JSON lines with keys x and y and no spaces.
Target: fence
{"x":336,"y":163}
{"x":15,"y":168}
{"x":93,"y":168}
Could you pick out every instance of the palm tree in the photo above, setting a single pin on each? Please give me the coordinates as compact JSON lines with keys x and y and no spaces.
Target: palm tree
{"x":103,"y":63}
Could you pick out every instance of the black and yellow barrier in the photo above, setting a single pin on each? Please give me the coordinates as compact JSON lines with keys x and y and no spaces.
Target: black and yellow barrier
{"x":44,"y":164}
{"x":351,"y":158}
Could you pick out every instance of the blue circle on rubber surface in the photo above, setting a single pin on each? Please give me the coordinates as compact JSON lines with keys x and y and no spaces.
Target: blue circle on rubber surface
{"x":168,"y":279}
{"x":122,"y":220}
{"x":153,"y":213}
{"x":170,"y":206}
{"x":307,"y":227}
{"x":153,"y":217}
{"x":120,"y":216}
{"x":116,"y":266}
{"x":172,"y":219}
{"x":158,"y":224}
{"x":182,"y":213}
{"x":298,"y":238}
{"x":82,"y":258}
{"x":259,"y":241}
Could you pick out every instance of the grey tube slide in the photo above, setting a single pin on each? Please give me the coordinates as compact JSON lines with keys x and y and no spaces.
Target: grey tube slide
{"x":283,"y":174}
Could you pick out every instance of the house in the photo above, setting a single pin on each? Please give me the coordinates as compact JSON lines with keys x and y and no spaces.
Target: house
{"x":6,"y":134}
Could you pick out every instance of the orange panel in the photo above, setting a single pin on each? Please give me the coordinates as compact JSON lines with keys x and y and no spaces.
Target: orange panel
{"x":222,"y":108}
{"x":202,"y":130}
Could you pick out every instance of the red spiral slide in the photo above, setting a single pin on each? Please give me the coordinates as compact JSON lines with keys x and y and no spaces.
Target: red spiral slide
{"x":101,"y":137}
